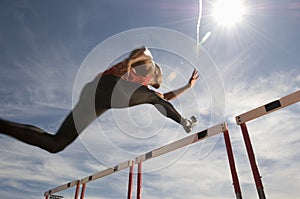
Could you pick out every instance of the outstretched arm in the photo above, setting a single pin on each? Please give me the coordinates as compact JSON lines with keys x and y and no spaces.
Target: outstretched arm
{"x":173,"y":94}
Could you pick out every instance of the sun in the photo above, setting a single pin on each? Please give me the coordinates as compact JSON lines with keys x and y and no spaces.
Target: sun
{"x":228,"y":12}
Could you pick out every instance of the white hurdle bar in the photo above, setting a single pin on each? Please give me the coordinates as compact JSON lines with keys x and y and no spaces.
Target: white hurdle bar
{"x":220,"y":128}
{"x":104,"y":173}
{"x":63,"y":187}
{"x":268,"y":108}
{"x":182,"y":142}
{"x":256,"y":113}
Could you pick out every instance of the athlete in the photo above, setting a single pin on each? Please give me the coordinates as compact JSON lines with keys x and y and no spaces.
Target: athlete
{"x":125,"y":84}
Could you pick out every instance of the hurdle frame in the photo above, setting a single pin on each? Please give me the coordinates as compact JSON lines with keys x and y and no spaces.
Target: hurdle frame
{"x":220,"y":128}
{"x":254,"y":114}
{"x":194,"y":138}
{"x":90,"y":178}
{"x":64,"y":187}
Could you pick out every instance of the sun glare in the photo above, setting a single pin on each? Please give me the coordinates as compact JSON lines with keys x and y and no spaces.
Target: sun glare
{"x":228,"y":12}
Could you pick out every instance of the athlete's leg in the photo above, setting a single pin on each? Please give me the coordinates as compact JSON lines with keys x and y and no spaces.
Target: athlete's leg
{"x":126,"y":94}
{"x":72,"y":127}
{"x":144,"y":95}
{"x":81,"y":116}
{"x":38,"y":137}
{"x":26,"y":133}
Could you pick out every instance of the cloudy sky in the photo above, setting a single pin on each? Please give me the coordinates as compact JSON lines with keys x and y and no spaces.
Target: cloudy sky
{"x":50,"y":49}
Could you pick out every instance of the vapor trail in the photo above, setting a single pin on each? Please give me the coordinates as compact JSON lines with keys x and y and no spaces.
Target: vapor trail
{"x":198,"y":23}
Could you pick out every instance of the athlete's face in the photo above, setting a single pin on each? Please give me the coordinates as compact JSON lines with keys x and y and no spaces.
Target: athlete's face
{"x":157,"y":77}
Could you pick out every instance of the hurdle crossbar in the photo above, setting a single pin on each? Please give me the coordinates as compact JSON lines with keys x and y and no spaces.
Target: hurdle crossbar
{"x":61,"y":188}
{"x":183,"y":142}
{"x":104,"y":173}
{"x":108,"y":171}
{"x":268,"y":108}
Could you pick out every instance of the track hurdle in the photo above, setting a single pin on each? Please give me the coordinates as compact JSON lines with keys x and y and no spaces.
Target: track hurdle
{"x":256,"y":113}
{"x":64,"y":187}
{"x":106,"y":172}
{"x":93,"y":177}
{"x":220,"y":128}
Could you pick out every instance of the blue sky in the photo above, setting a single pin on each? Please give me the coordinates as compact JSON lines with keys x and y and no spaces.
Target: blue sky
{"x":49,"y":49}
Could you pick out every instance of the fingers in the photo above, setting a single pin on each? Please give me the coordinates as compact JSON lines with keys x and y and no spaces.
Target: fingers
{"x":195,"y":74}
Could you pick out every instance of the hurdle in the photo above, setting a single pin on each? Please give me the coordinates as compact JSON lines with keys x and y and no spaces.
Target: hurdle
{"x":194,"y":138}
{"x":104,"y":173}
{"x":64,"y":187}
{"x":254,"y":114}
{"x":220,"y":128}
{"x":90,"y":178}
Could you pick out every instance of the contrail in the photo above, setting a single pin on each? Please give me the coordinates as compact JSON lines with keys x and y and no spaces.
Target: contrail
{"x":198,"y":23}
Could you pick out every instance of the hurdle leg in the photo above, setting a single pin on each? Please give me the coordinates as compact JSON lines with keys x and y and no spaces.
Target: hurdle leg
{"x":130,"y":181}
{"x":83,"y":191}
{"x":234,"y":175}
{"x":139,"y":181}
{"x":255,"y":172}
{"x":77,"y":189}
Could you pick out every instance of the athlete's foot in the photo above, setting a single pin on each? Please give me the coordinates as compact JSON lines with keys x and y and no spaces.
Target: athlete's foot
{"x":189,"y":124}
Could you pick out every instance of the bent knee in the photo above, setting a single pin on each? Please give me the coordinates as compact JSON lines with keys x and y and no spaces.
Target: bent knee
{"x":56,"y":145}
{"x":55,"y":148}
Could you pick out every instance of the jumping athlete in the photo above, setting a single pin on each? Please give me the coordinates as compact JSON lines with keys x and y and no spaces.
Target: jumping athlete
{"x":125,"y":84}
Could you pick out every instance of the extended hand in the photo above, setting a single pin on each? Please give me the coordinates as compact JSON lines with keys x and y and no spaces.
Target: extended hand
{"x":194,"y":78}
{"x":175,"y":93}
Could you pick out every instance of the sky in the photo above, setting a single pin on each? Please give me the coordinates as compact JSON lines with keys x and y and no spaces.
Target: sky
{"x":50,"y":49}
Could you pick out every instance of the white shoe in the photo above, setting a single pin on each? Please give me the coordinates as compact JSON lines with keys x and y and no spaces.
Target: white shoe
{"x":189,"y":124}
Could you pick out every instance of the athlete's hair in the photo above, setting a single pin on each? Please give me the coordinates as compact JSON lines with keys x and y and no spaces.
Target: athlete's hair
{"x":137,"y":52}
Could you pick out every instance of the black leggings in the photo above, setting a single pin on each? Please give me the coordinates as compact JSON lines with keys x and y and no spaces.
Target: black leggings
{"x":96,"y":97}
